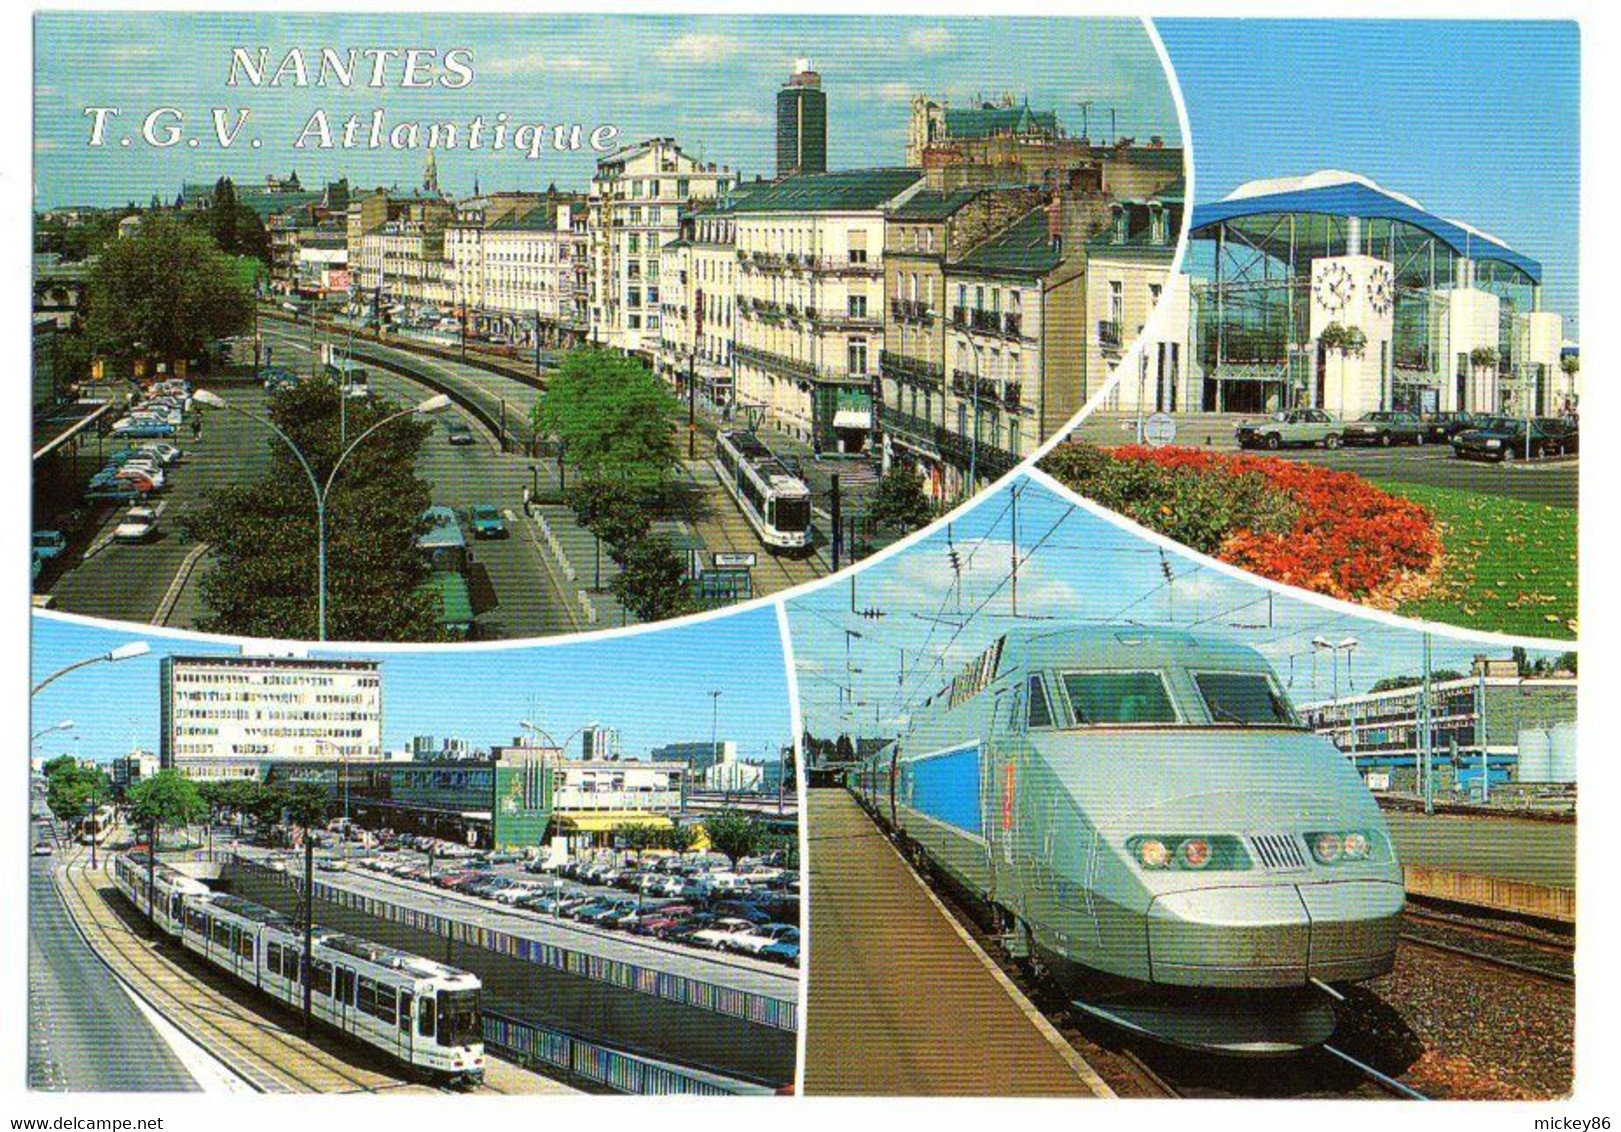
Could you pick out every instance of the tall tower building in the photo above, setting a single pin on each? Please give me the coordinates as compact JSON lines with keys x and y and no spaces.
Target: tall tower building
{"x":801,"y":123}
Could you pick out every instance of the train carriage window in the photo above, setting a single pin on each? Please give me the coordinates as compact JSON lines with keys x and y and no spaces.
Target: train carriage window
{"x":1101,"y":698}
{"x":1041,"y":714}
{"x":273,"y":957}
{"x":321,"y":978}
{"x":245,"y":945}
{"x":196,"y":921}
{"x":221,"y":932}
{"x":406,"y":1001}
{"x":174,"y":906}
{"x":428,"y":1019}
{"x":366,"y":996}
{"x":346,"y":986}
{"x":1245,"y":698}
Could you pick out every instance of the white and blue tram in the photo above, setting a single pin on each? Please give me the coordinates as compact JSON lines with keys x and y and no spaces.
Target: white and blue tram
{"x":421,"y":1013}
{"x":776,"y":502}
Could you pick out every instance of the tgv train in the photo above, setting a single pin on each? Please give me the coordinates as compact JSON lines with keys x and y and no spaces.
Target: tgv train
{"x":1144,"y":818}
{"x":423,"y":1014}
{"x":774,"y":501}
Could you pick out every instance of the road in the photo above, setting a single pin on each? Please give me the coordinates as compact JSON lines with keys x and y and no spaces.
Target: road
{"x":85,"y":1033}
{"x":1548,"y":482}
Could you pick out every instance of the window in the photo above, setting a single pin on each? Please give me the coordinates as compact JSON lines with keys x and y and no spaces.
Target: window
{"x":1040,"y":714}
{"x":273,"y":957}
{"x":857,"y":306}
{"x":245,"y":945}
{"x":346,"y":986}
{"x":1117,"y":303}
{"x":321,"y":978}
{"x":427,"y":1017}
{"x":1243,"y":697}
{"x":1118,"y":697}
{"x":406,"y":1001}
{"x":858,"y":356}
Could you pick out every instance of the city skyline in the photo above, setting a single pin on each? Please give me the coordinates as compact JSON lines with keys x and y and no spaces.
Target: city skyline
{"x":1076,"y":567}
{"x":465,"y":693}
{"x":709,"y":82}
{"x":1498,"y":142}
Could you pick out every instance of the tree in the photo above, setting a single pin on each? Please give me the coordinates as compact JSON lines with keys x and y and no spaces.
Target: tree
{"x":615,"y":419}
{"x":167,"y":800}
{"x":72,"y":791}
{"x":1348,"y":341}
{"x":651,"y":582}
{"x":637,"y":835}
{"x":614,"y":512}
{"x":262,"y":579}
{"x":899,"y":501}
{"x":234,"y":227}
{"x":733,"y":834}
{"x":678,"y":837}
{"x":166,"y":291}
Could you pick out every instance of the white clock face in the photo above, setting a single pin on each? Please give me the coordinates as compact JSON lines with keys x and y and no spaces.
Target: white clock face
{"x":1381,"y":292}
{"x":1334,"y":288}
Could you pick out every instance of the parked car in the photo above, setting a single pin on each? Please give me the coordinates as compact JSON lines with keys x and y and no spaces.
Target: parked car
{"x":42,"y":849}
{"x":1384,"y":428}
{"x":133,"y":428}
{"x":1504,"y":439}
{"x":1292,"y":429}
{"x":783,"y":951}
{"x":1442,"y":427}
{"x":49,"y":545}
{"x":719,"y":934}
{"x":762,"y":936}
{"x":458,"y":432}
{"x":487,"y":522}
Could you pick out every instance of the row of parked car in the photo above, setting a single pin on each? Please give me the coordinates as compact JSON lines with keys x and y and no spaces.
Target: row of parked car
{"x":745,"y":918}
{"x":1471,"y":435}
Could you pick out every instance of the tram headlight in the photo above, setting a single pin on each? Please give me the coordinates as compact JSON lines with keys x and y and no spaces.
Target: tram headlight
{"x":1333,"y":847}
{"x":1189,"y":853}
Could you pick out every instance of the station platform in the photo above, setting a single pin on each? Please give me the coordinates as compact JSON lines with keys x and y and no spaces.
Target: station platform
{"x":901,"y":1001}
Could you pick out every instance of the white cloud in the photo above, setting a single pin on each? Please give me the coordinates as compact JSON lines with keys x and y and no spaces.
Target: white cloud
{"x":743,"y":116}
{"x":919,"y":581}
{"x":897,"y":92}
{"x":538,"y":63}
{"x":929,"y":41}
{"x":699,"y":49}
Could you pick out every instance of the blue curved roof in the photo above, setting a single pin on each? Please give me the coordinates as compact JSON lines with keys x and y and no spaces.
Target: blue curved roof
{"x":1353,"y":198}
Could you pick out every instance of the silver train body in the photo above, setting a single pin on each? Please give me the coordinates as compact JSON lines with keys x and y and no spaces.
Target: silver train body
{"x":1146,"y":820}
{"x":775,"y":502}
{"x":420,"y":1013}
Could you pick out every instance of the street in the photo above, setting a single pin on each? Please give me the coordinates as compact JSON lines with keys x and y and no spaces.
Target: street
{"x":85,"y":1033}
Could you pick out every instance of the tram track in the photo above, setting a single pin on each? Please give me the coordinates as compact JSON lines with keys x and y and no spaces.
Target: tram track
{"x":255,"y":1048}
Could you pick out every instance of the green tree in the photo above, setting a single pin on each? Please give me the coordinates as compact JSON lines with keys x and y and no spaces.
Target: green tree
{"x":679,"y":837}
{"x":234,"y":227}
{"x":263,"y":572}
{"x":167,"y":800}
{"x":73,"y":791}
{"x":615,"y":512}
{"x":899,"y":501}
{"x":166,"y":292}
{"x":636,"y":835}
{"x":733,"y":834}
{"x":651,"y":582}
{"x":1341,"y":339}
{"x":615,"y":419}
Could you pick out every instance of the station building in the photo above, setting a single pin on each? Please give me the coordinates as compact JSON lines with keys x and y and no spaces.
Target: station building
{"x":1330,"y":291}
{"x":1491,"y":717}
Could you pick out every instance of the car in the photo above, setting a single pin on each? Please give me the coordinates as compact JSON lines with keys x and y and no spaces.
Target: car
{"x":1442,"y":427}
{"x":719,"y":934}
{"x":1291,"y":429}
{"x":166,"y":454}
{"x":133,"y":428}
{"x":106,"y":486}
{"x":458,"y":432}
{"x":762,"y":936}
{"x":1385,"y":427}
{"x":330,"y":864}
{"x":43,"y":849}
{"x":1504,"y":439}
{"x":487,"y":522}
{"x":783,"y":951}
{"x":49,"y":545}
{"x":138,"y":525}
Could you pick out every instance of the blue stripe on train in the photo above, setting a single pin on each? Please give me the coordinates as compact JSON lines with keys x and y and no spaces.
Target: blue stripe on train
{"x":945,"y":787}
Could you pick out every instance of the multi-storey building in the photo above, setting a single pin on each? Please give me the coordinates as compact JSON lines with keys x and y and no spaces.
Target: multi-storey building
{"x":920,"y":237}
{"x":223,"y":716}
{"x":697,"y":757}
{"x":810,"y":306}
{"x":464,"y":243}
{"x":699,"y":273}
{"x":801,"y":123}
{"x":1128,"y":283}
{"x":528,"y":287}
{"x":637,"y":196}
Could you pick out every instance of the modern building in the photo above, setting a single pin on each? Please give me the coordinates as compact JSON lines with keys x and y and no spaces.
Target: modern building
{"x":1333,"y":292}
{"x":698,"y":758}
{"x":801,"y":123}
{"x":599,"y":744}
{"x":637,"y":197}
{"x":1480,"y":717}
{"x":227,"y":716}
{"x":810,"y":301}
{"x":126,"y":770}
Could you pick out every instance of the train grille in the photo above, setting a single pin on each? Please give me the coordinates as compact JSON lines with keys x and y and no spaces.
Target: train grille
{"x":1278,"y":851}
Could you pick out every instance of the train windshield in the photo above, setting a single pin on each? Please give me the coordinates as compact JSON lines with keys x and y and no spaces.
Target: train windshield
{"x":1248,"y":698}
{"x":1118,"y":697}
{"x":793,"y":515}
{"x":458,"y":1018}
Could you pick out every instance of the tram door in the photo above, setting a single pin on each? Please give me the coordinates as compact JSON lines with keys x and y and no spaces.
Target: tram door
{"x":343,"y":999}
{"x":407,"y":1015}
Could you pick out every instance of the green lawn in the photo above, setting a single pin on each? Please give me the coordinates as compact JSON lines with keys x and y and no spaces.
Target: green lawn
{"x":1510,"y":566}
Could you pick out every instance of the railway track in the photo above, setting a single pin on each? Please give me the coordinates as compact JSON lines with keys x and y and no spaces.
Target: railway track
{"x":1499,"y":962}
{"x":256,"y":1048}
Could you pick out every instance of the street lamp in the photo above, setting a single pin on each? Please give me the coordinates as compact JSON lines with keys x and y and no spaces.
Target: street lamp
{"x":65,"y":725}
{"x":122,"y":652}
{"x":433,"y":404}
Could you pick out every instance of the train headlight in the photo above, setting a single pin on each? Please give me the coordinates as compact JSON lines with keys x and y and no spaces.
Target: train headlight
{"x":1336,"y":846}
{"x":1189,"y":852}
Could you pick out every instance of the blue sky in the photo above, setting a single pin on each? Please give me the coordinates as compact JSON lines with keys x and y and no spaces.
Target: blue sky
{"x":708,"y":81}
{"x":653,"y":686}
{"x":1085,"y":569}
{"x":1479,"y":121}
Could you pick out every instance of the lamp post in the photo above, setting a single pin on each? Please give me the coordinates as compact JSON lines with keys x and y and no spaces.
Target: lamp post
{"x":714,"y":736}
{"x":122,"y":652}
{"x":1334,"y":648}
{"x":65,"y":725}
{"x":322,"y":491}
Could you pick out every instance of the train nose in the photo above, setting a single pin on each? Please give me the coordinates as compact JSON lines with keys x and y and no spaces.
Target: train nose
{"x":1273,"y":935}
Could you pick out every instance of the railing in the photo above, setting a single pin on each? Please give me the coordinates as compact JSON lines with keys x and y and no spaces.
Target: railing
{"x":910,"y":310}
{"x":900,"y":367}
{"x":838,"y":318}
{"x":959,"y":317}
{"x":1013,"y":325}
{"x":776,"y":363}
{"x":832,"y":266}
{"x":987,"y":321}
{"x":907,"y":427}
{"x":965,"y":384}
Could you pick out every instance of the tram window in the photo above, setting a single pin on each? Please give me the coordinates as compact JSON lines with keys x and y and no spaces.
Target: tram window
{"x":426,"y":1021}
{"x":174,"y":907}
{"x":346,"y":986}
{"x":245,"y":945}
{"x":221,"y":933}
{"x":366,"y":996}
{"x":793,"y":515}
{"x":406,"y":1001}
{"x":1041,"y":714}
{"x":1118,"y":697}
{"x":1243,"y":697}
{"x":196,"y":921}
{"x":321,"y":978}
{"x":273,"y":957}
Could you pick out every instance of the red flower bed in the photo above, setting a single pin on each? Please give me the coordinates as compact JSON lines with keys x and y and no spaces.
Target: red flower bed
{"x":1350,"y":540}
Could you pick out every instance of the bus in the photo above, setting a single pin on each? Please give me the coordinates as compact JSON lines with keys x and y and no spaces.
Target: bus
{"x":445,"y":550}
{"x":349,"y":376}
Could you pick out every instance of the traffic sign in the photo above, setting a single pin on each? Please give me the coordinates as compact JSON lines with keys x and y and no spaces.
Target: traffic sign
{"x":1159,"y":430}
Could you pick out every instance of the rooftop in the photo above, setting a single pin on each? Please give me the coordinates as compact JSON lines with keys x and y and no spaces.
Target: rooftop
{"x":1022,"y":248}
{"x":855,"y":190}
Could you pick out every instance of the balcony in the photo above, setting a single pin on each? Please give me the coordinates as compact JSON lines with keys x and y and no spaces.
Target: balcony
{"x":982,"y":389}
{"x":959,"y":318}
{"x":790,"y":368}
{"x":910,"y":430}
{"x":910,"y":311}
{"x":829,"y":265}
{"x":1013,"y":325}
{"x":911,"y":371}
{"x":841,"y":320}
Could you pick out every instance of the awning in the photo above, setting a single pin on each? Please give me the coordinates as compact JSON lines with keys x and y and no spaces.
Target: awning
{"x":606,"y":821}
{"x":853,"y":418}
